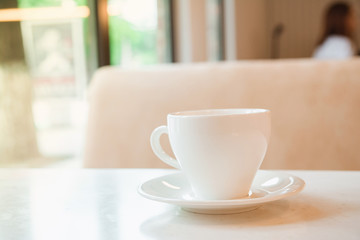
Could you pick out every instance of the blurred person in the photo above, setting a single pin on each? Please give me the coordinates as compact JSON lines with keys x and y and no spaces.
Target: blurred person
{"x":338,"y":37}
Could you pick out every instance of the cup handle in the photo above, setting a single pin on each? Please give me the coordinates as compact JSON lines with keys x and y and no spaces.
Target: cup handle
{"x":158,"y":150}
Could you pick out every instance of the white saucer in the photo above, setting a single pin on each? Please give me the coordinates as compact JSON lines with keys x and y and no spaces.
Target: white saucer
{"x":268,"y":186}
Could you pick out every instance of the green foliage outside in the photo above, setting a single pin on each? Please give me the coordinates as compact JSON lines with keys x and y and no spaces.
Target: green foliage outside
{"x":46,"y":3}
{"x":125,"y":37}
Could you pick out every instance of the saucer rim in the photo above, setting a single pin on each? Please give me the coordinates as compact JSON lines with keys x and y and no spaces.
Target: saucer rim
{"x":296,"y":187}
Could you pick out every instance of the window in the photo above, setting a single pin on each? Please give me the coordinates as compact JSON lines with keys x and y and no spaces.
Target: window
{"x":139,"y":35}
{"x":215,"y":32}
{"x":47,"y":58}
{"x":42,"y":103}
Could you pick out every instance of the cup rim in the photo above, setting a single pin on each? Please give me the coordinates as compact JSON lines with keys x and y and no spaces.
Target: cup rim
{"x":218,"y":112}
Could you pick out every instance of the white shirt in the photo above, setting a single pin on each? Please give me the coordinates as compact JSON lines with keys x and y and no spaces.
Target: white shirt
{"x":335,"y":47}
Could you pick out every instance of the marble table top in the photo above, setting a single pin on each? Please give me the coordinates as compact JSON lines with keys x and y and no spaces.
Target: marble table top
{"x":104,"y":204}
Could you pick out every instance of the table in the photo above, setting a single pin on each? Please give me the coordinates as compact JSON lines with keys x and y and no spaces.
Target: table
{"x":103,"y":204}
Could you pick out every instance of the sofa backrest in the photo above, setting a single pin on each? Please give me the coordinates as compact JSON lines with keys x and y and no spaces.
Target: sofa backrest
{"x":315,"y":109}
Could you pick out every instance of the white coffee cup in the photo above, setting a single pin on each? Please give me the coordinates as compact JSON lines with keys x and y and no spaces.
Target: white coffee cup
{"x":218,"y":150}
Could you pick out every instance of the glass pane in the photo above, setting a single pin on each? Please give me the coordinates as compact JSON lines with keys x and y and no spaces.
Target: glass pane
{"x":43,"y":104}
{"x":139,"y":35}
{"x":215,"y":34}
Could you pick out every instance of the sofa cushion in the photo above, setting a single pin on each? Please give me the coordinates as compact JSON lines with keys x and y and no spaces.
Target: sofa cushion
{"x":315,"y":109}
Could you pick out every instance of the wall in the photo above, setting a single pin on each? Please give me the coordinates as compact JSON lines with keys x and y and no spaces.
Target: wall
{"x":251,"y":29}
{"x":190,"y":30}
{"x":302,"y":21}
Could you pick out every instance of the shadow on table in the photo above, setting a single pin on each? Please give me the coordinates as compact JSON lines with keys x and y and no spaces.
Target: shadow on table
{"x":282,"y":212}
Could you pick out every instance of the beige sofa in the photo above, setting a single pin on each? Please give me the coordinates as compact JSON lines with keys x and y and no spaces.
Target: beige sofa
{"x":315,"y":109}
